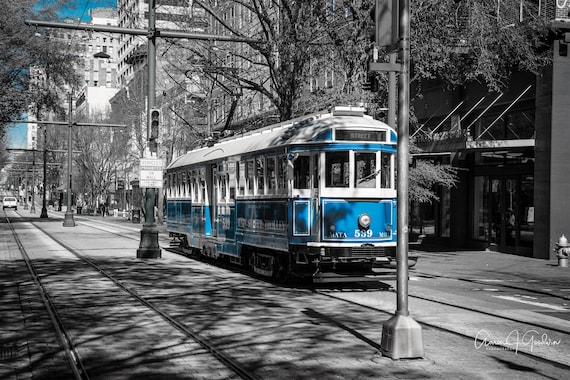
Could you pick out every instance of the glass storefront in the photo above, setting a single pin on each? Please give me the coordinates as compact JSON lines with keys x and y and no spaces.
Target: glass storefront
{"x":503,"y":212}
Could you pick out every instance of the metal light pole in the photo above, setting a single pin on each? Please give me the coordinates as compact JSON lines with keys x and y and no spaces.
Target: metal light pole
{"x":33,"y":206}
{"x":44,"y":214}
{"x":148,"y":247}
{"x":402,"y":335}
{"x":26,"y":206}
{"x":68,"y":221}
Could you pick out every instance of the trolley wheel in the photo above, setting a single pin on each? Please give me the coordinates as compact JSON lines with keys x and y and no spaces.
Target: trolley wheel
{"x":282,"y":270}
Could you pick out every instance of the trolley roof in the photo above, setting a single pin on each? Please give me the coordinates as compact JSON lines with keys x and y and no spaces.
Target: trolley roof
{"x":311,"y":128}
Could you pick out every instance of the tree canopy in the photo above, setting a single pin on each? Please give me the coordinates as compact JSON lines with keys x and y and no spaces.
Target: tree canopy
{"x":23,"y":48}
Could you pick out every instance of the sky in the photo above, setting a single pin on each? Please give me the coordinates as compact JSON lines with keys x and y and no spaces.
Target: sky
{"x":17,"y":135}
{"x":80,"y":8}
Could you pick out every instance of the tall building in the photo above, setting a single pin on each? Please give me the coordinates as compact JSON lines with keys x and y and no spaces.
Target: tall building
{"x":170,"y":14}
{"x":511,"y":152}
{"x":174,"y":89}
{"x":99,"y":56}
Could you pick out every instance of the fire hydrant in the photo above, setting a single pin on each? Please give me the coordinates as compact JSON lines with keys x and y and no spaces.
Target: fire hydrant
{"x":562,"y":251}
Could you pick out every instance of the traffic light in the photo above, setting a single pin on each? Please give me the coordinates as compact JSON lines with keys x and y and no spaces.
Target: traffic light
{"x":371,"y":83}
{"x":385,"y":16}
{"x":154,"y":124}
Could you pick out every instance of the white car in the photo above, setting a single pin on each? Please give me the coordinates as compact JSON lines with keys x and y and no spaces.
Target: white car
{"x":9,"y":202}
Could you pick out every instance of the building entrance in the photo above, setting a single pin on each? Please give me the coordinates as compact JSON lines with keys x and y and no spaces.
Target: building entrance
{"x":504,"y":213}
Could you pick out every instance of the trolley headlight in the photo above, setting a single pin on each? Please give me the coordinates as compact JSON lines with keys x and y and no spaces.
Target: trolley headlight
{"x":364,"y":221}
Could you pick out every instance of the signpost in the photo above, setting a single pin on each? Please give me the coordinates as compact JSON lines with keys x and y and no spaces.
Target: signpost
{"x":150,"y":173}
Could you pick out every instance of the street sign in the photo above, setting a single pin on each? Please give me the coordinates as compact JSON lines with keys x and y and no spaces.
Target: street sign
{"x":150,"y":173}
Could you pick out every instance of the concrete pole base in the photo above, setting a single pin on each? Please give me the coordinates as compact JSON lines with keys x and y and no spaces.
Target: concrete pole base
{"x":402,"y":338}
{"x":68,"y":220}
{"x":149,"y":248}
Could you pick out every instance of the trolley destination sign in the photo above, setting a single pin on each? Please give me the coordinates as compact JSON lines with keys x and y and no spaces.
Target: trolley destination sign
{"x":150,"y":173}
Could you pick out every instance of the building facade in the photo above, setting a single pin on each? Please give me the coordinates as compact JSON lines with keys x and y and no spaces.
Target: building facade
{"x":98,"y":52}
{"x":510,"y":152}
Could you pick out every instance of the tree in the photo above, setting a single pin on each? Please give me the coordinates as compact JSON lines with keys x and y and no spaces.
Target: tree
{"x":483,"y":41}
{"x":288,"y":32}
{"x":455,"y":42}
{"x":102,"y":151}
{"x":21,"y":49}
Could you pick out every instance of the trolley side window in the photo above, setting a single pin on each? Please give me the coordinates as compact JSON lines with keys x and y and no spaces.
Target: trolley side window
{"x":301,"y":172}
{"x":250,"y":175}
{"x":282,"y":173}
{"x":260,"y":171}
{"x":271,"y":175}
{"x":316,"y":171}
{"x":366,"y":172}
{"x":386,"y":176}
{"x":232,"y":179}
{"x":337,"y":169}
{"x":241,"y":174}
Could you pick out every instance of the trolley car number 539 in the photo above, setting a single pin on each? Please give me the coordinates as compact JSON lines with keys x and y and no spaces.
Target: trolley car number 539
{"x":363,"y":234}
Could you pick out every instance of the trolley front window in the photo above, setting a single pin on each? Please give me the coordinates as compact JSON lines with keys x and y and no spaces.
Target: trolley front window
{"x":337,"y":169}
{"x":366,"y":172}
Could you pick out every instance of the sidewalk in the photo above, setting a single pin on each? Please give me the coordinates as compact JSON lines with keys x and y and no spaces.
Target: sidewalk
{"x":524,"y":272}
{"x":446,"y":355}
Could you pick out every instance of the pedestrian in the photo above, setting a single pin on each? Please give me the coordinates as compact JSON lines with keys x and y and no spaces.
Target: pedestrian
{"x":79,"y":206}
{"x":510,"y":221}
{"x":103,"y":209}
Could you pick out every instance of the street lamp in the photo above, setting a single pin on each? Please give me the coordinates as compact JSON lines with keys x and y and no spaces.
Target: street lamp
{"x":44,"y":214}
{"x":68,"y":221}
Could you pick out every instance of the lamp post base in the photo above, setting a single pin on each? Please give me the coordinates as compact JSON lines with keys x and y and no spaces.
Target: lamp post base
{"x":149,"y":248}
{"x":402,"y":338}
{"x":44,"y":214}
{"x":68,"y":221}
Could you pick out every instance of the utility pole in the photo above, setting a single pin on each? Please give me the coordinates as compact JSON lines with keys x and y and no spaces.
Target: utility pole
{"x":149,"y":247}
{"x":68,"y":221}
{"x":44,"y":214}
{"x":33,"y":206}
{"x":401,"y":334}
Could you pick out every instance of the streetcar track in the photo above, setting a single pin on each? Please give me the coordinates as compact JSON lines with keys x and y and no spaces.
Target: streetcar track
{"x":502,"y":284}
{"x":208,"y":345}
{"x":71,"y":353}
{"x":204,"y":342}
